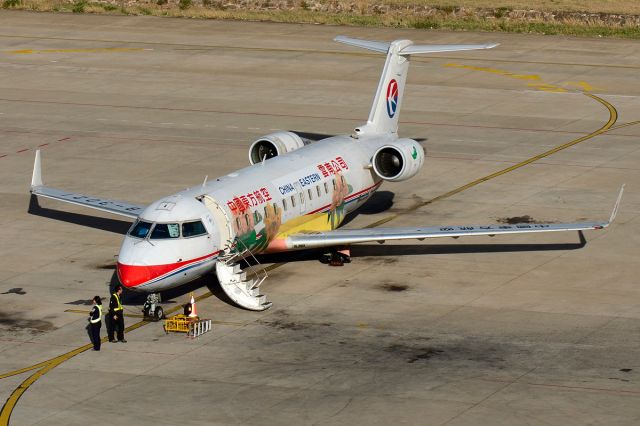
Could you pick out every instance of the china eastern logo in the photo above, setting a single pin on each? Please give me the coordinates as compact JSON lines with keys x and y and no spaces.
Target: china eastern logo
{"x":392,"y":98}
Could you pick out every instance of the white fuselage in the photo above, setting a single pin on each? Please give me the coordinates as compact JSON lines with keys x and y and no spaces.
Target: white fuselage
{"x":250,"y":210}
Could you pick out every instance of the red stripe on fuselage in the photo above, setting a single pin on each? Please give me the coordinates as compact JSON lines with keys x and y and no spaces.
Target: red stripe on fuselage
{"x":348,"y":198}
{"x":135,"y":275}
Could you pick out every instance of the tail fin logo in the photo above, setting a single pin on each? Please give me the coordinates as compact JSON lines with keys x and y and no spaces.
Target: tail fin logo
{"x":392,"y":98}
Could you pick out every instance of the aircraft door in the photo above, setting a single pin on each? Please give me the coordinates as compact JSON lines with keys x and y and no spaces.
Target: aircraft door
{"x":222,"y":220}
{"x":300,"y":198}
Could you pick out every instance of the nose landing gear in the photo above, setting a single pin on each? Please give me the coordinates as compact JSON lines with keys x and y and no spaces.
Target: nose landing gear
{"x":152,"y":309}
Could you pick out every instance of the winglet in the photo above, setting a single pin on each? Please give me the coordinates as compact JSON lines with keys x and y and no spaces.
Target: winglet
{"x":617,"y":205}
{"x":36,"y":178}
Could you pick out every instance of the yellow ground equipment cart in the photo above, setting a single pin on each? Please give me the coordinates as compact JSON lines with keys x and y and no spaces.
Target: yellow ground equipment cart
{"x":193,"y":326}
{"x":178,"y":323}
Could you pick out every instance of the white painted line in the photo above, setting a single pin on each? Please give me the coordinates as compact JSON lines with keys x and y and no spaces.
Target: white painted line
{"x":231,"y":127}
{"x":102,"y":119}
{"x":166,"y":123}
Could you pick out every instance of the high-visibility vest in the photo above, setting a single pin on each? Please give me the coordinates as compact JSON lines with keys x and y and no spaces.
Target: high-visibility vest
{"x":119,"y":308}
{"x":97,"y":320}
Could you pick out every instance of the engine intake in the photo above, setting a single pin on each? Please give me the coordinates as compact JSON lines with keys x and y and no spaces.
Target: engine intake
{"x":398,"y":161}
{"x":275,"y":144}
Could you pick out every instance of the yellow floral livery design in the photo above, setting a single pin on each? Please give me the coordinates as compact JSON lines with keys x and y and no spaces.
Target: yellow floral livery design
{"x":258,"y":233}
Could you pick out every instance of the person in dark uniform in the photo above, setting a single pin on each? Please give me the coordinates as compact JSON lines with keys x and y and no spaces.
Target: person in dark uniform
{"x":116,"y":315}
{"x":95,"y":321}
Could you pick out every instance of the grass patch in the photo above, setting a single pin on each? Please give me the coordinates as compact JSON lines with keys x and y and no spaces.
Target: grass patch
{"x":79,"y":6}
{"x":457,"y":15}
{"x":7,"y":4}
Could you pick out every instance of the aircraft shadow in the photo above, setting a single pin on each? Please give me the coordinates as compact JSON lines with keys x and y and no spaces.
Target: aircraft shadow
{"x":104,"y":224}
{"x":380,"y":250}
{"x":379,"y":202}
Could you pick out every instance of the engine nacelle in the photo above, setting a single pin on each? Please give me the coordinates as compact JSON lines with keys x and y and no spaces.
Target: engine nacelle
{"x":275,"y":144}
{"x":399,"y":160}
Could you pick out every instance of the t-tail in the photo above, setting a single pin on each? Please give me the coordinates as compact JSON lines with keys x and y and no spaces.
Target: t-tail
{"x":383,"y":118}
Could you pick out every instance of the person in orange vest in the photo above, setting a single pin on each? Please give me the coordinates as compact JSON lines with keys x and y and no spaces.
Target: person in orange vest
{"x":95,"y":321}
{"x":116,"y":315}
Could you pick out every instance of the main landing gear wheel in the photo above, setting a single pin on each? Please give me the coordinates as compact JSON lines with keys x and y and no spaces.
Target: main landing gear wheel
{"x":159,"y":314}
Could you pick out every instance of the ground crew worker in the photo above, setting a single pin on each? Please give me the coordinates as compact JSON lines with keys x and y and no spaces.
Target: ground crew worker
{"x":116,"y":313}
{"x":95,"y":322}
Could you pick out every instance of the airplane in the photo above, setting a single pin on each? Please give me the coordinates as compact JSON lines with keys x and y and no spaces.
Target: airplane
{"x":294,"y":195}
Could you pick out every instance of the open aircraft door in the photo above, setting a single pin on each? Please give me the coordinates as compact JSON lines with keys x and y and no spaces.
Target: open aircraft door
{"x":222,"y":221}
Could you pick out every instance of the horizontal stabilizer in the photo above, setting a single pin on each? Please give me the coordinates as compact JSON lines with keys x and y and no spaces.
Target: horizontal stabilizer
{"x":435,"y":48}
{"x":412,"y":49}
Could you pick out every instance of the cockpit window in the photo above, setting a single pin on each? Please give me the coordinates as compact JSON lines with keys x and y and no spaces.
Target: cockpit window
{"x":192,"y":229}
{"x":165,"y":230}
{"x":140,"y":229}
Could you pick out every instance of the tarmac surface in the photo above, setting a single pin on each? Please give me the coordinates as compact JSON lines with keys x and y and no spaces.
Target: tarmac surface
{"x":511,"y":330}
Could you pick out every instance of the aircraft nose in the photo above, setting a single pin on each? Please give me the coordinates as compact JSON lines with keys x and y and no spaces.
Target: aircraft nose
{"x":134,"y":275}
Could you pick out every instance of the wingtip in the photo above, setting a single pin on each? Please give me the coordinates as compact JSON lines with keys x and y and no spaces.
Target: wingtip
{"x":491,"y":45}
{"x":616,"y":207}
{"x":36,"y":177}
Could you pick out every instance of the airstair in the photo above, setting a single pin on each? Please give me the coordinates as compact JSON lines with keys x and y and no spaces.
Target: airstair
{"x":242,"y":289}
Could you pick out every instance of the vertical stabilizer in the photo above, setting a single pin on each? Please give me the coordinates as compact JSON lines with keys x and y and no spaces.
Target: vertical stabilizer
{"x":385,"y":111}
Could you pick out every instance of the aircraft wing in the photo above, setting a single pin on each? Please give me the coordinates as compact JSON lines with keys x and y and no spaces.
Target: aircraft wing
{"x":111,"y":206}
{"x":340,"y":237}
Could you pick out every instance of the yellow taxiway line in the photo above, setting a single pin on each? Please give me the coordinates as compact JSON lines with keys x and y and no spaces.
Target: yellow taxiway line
{"x":89,"y":50}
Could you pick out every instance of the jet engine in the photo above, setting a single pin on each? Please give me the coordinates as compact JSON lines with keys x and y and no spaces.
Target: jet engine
{"x":399,"y":160}
{"x":275,"y":144}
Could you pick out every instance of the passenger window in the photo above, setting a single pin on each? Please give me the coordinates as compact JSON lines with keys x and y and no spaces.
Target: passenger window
{"x":140,"y":229}
{"x":309,"y":192}
{"x":238,"y":222}
{"x":246,"y":218}
{"x":193,"y":229}
{"x":165,"y":230}
{"x":318,"y":190}
{"x":334,"y":183}
{"x":326,"y":188}
{"x":284,"y":204}
{"x":293,"y":201}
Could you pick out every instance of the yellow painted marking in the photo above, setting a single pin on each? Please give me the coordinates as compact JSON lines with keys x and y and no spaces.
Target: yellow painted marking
{"x":495,"y":71}
{"x":582,"y":85}
{"x":90,"y":50}
{"x":536,"y":80}
{"x":547,"y":87}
